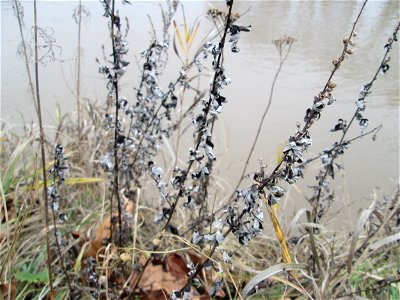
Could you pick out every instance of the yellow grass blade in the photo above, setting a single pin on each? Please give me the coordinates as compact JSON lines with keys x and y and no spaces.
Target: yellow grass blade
{"x":71,"y":181}
{"x":193,"y":35}
{"x":179,"y":36}
{"x":279,"y":235}
{"x":77,"y":266}
{"x":278,"y":232}
{"x":186,"y":27}
{"x":275,"y":208}
{"x":82,"y":180}
{"x":47,"y":167}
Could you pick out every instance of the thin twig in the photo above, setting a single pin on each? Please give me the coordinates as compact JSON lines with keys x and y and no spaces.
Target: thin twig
{"x":282,"y":61}
{"x":366,"y":91}
{"x":60,"y":253}
{"x":275,"y":173}
{"x":78,"y":79}
{"x":42,"y":142}
{"x":28,"y":71}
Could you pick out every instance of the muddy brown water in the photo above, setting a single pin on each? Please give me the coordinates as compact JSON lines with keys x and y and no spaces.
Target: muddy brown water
{"x":319,"y":28}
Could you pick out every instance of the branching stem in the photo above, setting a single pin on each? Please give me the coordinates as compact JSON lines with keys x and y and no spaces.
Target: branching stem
{"x":206,"y":111}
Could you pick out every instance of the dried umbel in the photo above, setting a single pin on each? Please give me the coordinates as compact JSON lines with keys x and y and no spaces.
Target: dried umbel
{"x":219,"y":16}
{"x":284,"y":44}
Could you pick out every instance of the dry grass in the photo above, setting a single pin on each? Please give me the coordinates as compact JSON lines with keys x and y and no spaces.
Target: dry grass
{"x":294,"y":257}
{"x":362,"y":261}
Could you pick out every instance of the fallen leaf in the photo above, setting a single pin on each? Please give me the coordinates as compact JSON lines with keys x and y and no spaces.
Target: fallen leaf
{"x":5,"y":287}
{"x":177,"y":266}
{"x":103,"y":232}
{"x":155,"y":295}
{"x":157,"y":280}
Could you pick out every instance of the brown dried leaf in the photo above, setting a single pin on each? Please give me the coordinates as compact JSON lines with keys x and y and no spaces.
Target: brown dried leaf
{"x":5,"y":287}
{"x":177,"y":266}
{"x":156,"y":279}
{"x":103,"y":232}
{"x":155,"y":295}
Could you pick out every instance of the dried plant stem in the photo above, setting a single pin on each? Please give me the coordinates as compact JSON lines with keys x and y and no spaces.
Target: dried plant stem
{"x":116,"y":160}
{"x":209,"y":256}
{"x":369,"y":85}
{"x":28,"y":71}
{"x":42,"y":142}
{"x":366,"y":90}
{"x":60,"y":253}
{"x":337,"y":146}
{"x":282,"y":61}
{"x":151,"y":123}
{"x":135,"y":224}
{"x":206,"y":111}
{"x":138,"y":93}
{"x":179,"y":195}
{"x":337,"y":65}
{"x":178,"y":134}
{"x":141,"y":274}
{"x":275,"y":173}
{"x":203,"y":264}
{"x":78,"y":78}
{"x":3,"y":206}
{"x":362,"y":248}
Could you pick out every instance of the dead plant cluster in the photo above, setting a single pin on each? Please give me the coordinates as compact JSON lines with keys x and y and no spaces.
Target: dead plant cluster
{"x":104,"y":209}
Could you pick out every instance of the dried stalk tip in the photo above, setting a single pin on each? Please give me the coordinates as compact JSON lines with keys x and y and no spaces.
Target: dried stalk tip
{"x":336,"y":62}
{"x":331,"y":84}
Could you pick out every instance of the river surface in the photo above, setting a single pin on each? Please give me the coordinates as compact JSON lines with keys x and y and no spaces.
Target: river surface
{"x":319,"y":28}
